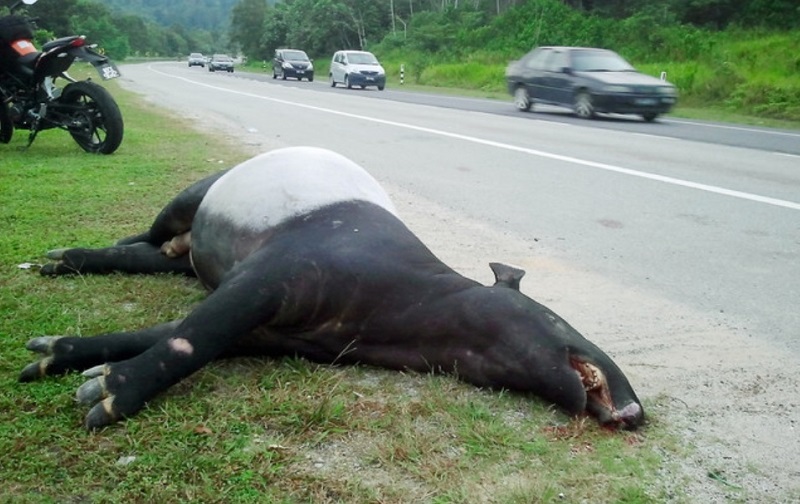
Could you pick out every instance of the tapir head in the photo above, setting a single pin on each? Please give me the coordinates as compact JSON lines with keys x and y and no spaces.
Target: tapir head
{"x":557,"y":363}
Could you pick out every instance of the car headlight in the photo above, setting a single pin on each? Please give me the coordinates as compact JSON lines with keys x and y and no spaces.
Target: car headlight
{"x":286,"y":64}
{"x":668,"y":90}
{"x":310,"y":67}
{"x":617,"y":89}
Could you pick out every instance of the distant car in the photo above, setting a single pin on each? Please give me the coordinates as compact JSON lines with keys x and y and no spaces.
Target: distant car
{"x":197,"y":59}
{"x":292,"y":63}
{"x":589,"y":81}
{"x":220,"y":62}
{"x":357,"y":68}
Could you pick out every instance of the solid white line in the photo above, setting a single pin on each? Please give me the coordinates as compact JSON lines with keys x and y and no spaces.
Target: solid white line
{"x":737,"y":128}
{"x":549,"y":155}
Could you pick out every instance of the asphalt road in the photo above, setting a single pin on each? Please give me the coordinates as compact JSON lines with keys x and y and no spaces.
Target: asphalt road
{"x":705,"y":214}
{"x":770,"y":139}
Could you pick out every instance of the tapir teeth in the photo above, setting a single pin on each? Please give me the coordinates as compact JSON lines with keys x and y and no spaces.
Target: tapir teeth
{"x":591,"y":376}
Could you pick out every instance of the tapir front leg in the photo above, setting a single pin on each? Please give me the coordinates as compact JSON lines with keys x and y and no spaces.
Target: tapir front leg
{"x":62,"y":354}
{"x":120,"y":389}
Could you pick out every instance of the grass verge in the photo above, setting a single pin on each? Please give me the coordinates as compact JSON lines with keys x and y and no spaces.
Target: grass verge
{"x":248,"y":430}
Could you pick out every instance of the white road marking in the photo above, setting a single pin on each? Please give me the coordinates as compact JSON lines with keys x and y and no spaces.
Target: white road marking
{"x":534,"y":152}
{"x":737,"y":128}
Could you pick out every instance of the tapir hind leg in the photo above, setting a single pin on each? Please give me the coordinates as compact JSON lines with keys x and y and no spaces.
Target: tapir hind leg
{"x":142,"y":258}
{"x":142,"y":253}
{"x":177,"y":216}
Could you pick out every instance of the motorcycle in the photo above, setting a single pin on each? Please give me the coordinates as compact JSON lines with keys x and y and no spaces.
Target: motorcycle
{"x":31,"y":100}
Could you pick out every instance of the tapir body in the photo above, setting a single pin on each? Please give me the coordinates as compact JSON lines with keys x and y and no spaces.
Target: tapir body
{"x":303,"y":254}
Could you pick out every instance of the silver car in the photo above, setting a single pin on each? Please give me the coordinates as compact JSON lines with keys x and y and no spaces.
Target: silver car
{"x":197,"y":59}
{"x":357,"y":68}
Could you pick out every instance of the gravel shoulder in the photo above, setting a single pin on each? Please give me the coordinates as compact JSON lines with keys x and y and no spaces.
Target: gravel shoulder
{"x":730,"y":398}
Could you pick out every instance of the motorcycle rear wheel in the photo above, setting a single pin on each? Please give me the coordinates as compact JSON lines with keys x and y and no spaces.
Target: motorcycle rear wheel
{"x":95,"y":120}
{"x":6,"y":124}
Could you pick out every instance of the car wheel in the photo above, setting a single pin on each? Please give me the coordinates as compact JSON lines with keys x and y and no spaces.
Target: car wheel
{"x":380,"y":88}
{"x":333,"y":82}
{"x":521,"y":99}
{"x":283,"y":76}
{"x":583,"y":105}
{"x":311,"y":79}
{"x":347,"y":82}
{"x":649,"y":116}
{"x":274,"y":75}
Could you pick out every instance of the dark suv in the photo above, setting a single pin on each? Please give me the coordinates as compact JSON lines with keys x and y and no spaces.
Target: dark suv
{"x":292,"y":63}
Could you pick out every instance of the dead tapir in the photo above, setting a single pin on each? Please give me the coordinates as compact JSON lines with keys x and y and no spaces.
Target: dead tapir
{"x":303,"y":254}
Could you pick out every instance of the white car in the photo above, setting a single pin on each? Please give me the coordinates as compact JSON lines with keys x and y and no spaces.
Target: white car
{"x":357,"y":68}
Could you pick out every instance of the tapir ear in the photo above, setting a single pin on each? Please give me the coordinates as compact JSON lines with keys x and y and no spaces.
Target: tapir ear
{"x":506,"y":276}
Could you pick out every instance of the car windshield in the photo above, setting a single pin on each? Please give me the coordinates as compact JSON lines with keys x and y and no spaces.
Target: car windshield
{"x":222,"y":58}
{"x":599,"y":61}
{"x":295,"y":56}
{"x":362,"y":59}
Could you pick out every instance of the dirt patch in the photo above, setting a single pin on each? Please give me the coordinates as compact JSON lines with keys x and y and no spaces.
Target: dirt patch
{"x":729,"y":397}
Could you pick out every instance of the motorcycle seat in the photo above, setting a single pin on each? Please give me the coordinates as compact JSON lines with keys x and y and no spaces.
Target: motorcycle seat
{"x":26,"y":63}
{"x":59,"y":42}
{"x":28,"y":60}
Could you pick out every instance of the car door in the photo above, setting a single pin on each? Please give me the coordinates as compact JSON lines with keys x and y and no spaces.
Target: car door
{"x":533,"y":71}
{"x":345,"y":67}
{"x":337,"y":73}
{"x":278,"y":63}
{"x":560,"y":78}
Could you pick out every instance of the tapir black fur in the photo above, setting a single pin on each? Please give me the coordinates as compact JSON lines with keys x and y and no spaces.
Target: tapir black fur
{"x":303,"y":254}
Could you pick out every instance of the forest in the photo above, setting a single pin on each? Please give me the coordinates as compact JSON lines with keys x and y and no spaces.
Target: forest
{"x":739,"y":54}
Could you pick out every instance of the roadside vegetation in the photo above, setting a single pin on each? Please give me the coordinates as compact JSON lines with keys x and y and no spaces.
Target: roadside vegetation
{"x":739,"y":57}
{"x":250,"y":430}
{"x":735,"y":57}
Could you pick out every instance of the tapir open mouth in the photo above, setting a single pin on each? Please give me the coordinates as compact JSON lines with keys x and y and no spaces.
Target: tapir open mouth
{"x":599,"y":400}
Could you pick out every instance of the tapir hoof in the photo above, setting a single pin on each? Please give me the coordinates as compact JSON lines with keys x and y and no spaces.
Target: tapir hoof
{"x":35,"y":370}
{"x":39,"y":369}
{"x":95,"y":393}
{"x":66,"y":262}
{"x":56,"y":254}
{"x":92,"y":391}
{"x":101,"y":415}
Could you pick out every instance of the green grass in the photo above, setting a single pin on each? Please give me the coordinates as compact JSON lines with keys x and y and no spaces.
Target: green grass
{"x":248,"y":430}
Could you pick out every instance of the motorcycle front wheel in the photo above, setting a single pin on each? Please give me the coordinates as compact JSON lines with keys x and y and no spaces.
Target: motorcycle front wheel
{"x":6,"y":124}
{"x":95,"y":121}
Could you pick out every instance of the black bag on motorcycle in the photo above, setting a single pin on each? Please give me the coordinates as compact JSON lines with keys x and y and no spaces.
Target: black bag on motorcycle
{"x":12,"y":28}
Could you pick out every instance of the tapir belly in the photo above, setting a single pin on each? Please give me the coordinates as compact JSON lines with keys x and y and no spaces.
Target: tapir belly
{"x":243,"y":210}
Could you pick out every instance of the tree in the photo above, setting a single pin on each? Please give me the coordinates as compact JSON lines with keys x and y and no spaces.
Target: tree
{"x":247,"y":25}
{"x":95,"y":22}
